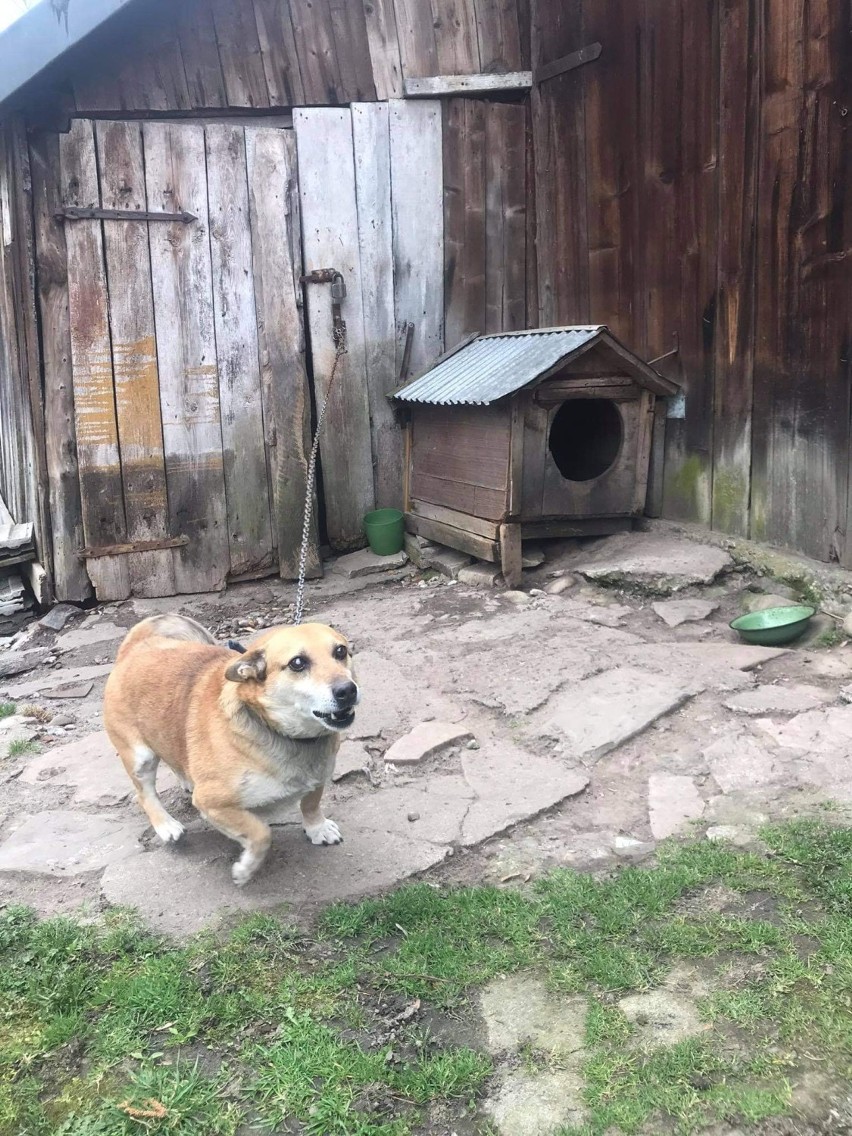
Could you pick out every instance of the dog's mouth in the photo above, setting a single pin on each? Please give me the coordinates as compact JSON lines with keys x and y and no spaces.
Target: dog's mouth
{"x":337,"y":719}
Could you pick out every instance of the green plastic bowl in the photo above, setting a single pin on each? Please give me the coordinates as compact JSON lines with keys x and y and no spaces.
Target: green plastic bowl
{"x":775,"y":625}
{"x":385,"y":529}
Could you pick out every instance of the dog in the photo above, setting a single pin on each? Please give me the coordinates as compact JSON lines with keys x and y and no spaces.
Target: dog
{"x":240,"y":730}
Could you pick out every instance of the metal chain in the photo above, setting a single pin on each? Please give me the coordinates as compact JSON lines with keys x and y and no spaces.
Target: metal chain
{"x":340,"y":351}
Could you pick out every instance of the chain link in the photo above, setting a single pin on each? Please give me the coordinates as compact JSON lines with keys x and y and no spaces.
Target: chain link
{"x":340,"y":351}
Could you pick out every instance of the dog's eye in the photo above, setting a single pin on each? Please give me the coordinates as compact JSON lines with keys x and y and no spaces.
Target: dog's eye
{"x":299,"y":663}
{"x":340,"y":651}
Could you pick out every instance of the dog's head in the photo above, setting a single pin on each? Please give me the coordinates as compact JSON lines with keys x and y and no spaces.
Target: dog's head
{"x":300,"y":679}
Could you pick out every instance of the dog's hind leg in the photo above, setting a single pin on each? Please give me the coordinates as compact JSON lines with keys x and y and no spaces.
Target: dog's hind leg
{"x":248,"y":830}
{"x":141,"y":763}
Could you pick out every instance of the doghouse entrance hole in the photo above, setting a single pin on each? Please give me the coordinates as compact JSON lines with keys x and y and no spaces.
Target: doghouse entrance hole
{"x":585,"y":437}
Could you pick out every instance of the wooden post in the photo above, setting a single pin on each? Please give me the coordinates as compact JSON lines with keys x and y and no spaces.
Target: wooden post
{"x":511,"y":561}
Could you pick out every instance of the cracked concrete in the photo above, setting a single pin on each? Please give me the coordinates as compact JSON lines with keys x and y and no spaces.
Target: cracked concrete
{"x":598,"y":729}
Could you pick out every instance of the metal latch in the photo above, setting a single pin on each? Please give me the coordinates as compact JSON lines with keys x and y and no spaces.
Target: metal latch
{"x":338,"y":295}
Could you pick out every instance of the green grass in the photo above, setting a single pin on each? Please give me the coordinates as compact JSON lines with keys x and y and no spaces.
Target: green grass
{"x":7,"y":709}
{"x":106,"y":1029}
{"x":20,"y":747}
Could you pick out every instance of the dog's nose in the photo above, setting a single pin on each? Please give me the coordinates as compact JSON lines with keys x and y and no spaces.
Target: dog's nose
{"x":345,"y":693}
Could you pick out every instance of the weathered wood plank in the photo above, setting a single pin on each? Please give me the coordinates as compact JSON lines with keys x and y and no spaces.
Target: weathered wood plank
{"x":462,"y":539}
{"x":316,"y":50}
{"x":505,"y":218}
{"x":499,"y":36}
{"x":371,"y":141}
{"x":739,"y":108}
{"x":455,"y":37}
{"x":277,"y":265}
{"x":446,"y":516}
{"x":511,"y":554}
{"x":418,"y":226}
{"x":70,"y":579}
{"x":239,"y":52}
{"x":464,"y":218}
{"x":278,"y":50}
{"x":186,"y":352}
{"x":330,"y":240}
{"x":435,"y":86}
{"x":383,"y":40}
{"x":200,"y":52}
{"x":134,"y":353}
{"x":349,"y":28}
{"x":559,"y":133}
{"x":240,"y":401}
{"x":94,"y":397}
{"x":415,"y":27}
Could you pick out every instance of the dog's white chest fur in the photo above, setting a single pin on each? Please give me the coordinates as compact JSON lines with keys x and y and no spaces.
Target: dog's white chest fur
{"x":292,"y":780}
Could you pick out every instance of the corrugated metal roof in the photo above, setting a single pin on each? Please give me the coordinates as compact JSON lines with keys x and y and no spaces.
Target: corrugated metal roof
{"x":493,"y":366}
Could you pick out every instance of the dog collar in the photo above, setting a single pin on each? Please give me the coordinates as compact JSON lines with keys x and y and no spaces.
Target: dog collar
{"x":233,"y":645}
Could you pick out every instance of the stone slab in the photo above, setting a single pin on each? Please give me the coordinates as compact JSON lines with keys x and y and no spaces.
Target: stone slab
{"x":70,"y":690}
{"x":447,"y":561}
{"x":57,"y":617}
{"x":352,"y":758}
{"x":92,"y":768}
{"x":673,"y":801}
{"x":18,"y":662}
{"x":424,"y":740}
{"x":519,"y":1009}
{"x":532,"y":556}
{"x":67,"y":843}
{"x":559,"y":585}
{"x":826,"y":732}
{"x":738,"y":763}
{"x":601,"y":712}
{"x":480,"y":575}
{"x":51,"y":680}
{"x":654,"y":563}
{"x":512,"y":785}
{"x":90,"y":633}
{"x":536,"y":1103}
{"x":777,"y":699}
{"x":676,"y":612}
{"x":367,"y":563}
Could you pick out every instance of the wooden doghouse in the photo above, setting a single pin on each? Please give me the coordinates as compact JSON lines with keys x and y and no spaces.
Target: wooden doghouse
{"x":529,"y":434}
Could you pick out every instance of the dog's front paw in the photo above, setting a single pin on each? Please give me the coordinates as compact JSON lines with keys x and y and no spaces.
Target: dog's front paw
{"x":245,"y":868}
{"x":169,"y":830}
{"x":326,"y":832}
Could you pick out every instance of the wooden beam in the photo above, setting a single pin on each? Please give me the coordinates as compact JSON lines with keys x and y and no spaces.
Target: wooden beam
{"x":567,"y":62}
{"x":435,"y":86}
{"x":132,"y":546}
{"x":460,"y":539}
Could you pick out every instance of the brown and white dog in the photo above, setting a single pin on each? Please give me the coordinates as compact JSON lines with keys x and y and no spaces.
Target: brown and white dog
{"x":240,"y":731}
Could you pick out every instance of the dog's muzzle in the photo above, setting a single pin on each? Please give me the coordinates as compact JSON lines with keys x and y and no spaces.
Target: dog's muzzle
{"x":346,"y":696}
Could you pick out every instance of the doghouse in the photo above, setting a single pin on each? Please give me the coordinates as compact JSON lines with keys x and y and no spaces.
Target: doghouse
{"x":525,"y":434}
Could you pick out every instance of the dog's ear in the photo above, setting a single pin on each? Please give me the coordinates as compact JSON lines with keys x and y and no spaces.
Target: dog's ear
{"x":251,"y":665}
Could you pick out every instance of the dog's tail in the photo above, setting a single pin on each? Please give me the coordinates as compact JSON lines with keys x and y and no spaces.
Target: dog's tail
{"x":176,"y":627}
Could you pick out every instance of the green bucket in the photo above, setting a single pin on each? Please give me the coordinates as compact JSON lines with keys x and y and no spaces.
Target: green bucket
{"x":385,"y":529}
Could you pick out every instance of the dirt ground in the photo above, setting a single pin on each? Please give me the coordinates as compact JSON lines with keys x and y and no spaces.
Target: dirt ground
{"x":587,"y":729}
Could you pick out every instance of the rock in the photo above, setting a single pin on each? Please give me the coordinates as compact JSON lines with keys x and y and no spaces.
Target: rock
{"x":738,"y":763}
{"x":673,"y":801}
{"x":532,"y":556}
{"x":413,"y":817}
{"x":730,"y":834}
{"x":675,"y":612}
{"x":62,"y":720}
{"x":352,"y":758}
{"x":423,"y":741}
{"x":628,"y":847}
{"x":845,"y":693}
{"x":559,"y":585}
{"x":653,"y":563}
{"x":764,"y":601}
{"x":71,"y":690}
{"x":520,"y":1010}
{"x":822,"y":631}
{"x":66,"y":843}
{"x":416,"y":548}
{"x":601,"y":712}
{"x":609,"y":615}
{"x":481,"y":575}
{"x":537,"y":1103}
{"x":57,"y":617}
{"x":447,"y":561}
{"x":17,"y":662}
{"x":366,"y":563}
{"x":761,"y":700}
{"x":519,"y":599}
{"x":846,"y":626}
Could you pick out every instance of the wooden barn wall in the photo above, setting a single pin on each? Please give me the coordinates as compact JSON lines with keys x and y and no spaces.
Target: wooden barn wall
{"x":693,"y":192}
{"x":163,"y":56}
{"x":22,"y":481}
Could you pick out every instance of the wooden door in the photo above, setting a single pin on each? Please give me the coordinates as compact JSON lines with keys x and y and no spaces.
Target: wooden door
{"x":191,"y":405}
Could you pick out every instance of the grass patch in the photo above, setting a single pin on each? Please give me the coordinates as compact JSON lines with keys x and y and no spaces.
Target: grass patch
{"x":22,"y":746}
{"x":7,"y":709}
{"x":105,"y":1029}
{"x":37,"y":713}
